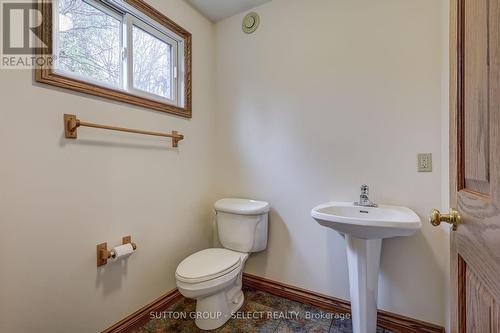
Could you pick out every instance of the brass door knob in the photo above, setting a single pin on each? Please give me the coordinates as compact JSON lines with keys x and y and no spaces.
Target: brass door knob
{"x":453,"y":218}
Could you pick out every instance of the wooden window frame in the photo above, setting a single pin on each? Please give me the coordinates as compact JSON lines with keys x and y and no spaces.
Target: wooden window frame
{"x":47,"y":75}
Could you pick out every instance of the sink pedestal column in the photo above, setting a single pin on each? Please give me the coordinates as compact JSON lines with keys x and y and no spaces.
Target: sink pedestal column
{"x":363,"y":259}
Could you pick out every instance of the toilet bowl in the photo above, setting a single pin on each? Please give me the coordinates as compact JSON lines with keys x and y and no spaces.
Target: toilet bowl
{"x":214,"y":276}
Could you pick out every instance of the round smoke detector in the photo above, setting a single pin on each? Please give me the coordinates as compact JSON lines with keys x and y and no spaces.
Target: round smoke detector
{"x":250,"y":22}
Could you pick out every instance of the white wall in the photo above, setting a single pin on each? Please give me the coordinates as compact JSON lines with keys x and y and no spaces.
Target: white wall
{"x":60,"y":198}
{"x":325,"y":96}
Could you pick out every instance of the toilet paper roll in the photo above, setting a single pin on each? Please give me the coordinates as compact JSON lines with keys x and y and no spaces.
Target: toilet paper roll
{"x":123,"y":250}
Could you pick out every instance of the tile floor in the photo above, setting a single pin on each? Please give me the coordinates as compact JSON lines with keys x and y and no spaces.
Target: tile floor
{"x":261,"y":312}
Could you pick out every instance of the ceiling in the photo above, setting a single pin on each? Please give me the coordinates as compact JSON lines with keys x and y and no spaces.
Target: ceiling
{"x":217,"y":10}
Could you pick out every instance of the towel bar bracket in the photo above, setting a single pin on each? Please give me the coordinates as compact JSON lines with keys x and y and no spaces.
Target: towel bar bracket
{"x":70,"y":126}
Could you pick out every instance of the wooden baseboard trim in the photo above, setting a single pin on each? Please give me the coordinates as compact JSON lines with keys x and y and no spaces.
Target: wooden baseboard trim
{"x":142,"y":316}
{"x":390,"y":321}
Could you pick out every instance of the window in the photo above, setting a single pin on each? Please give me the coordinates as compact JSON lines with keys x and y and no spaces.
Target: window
{"x":154,"y":63}
{"x":120,"y":49}
{"x":88,"y":42}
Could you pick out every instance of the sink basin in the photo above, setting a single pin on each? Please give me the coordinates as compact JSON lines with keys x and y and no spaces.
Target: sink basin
{"x":364,"y":228}
{"x":367,"y":222}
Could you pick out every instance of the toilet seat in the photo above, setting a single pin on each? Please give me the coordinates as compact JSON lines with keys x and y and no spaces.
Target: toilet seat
{"x":208,"y":264}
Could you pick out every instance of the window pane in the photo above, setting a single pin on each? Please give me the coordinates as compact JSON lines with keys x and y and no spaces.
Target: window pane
{"x":152,"y":64}
{"x":89,"y":42}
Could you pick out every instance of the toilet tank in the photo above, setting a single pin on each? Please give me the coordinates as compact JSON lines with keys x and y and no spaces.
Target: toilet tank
{"x":242,"y":224}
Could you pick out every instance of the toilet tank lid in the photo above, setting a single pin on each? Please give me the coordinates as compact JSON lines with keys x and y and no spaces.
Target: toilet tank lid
{"x":242,"y":206}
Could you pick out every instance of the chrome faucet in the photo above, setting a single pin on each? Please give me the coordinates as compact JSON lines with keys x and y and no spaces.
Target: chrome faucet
{"x":364,"y":201}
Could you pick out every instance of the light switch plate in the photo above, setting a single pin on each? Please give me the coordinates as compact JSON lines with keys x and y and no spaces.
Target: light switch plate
{"x":425,"y":162}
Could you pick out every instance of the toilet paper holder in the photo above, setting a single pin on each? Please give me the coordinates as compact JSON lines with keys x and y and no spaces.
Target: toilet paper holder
{"x":103,"y":254}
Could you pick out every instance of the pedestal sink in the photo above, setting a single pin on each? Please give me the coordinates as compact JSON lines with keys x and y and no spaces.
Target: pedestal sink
{"x":364,"y":228}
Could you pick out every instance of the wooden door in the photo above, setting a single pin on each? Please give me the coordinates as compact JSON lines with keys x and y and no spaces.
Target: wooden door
{"x":475,"y":160}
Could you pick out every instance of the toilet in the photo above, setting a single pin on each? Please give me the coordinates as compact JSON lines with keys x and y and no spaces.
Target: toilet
{"x":214,"y":276}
